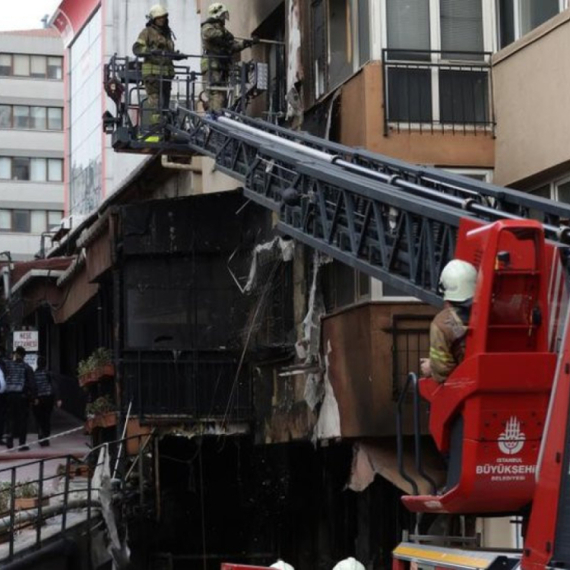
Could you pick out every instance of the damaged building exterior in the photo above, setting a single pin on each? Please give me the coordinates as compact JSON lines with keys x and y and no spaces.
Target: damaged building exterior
{"x":266,"y":374}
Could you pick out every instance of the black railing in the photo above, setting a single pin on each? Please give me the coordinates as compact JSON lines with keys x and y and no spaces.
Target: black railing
{"x":200,"y":386}
{"x":60,"y":490}
{"x":437,"y":90}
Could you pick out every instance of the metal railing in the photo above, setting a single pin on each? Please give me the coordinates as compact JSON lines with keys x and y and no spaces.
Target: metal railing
{"x":73,"y":492}
{"x":196,"y":385}
{"x":125,"y":85}
{"x":432,"y":91}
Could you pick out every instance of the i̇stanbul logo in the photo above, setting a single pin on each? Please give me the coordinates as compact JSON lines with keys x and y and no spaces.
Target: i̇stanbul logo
{"x":512,"y":440}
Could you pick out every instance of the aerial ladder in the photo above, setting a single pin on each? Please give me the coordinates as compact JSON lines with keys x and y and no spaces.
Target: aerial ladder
{"x":502,"y":416}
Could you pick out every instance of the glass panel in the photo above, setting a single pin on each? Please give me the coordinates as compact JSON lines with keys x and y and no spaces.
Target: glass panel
{"x":21,"y":65}
{"x":38,"y":66}
{"x":408,"y":27}
{"x":536,"y":12}
{"x":564,"y":192}
{"x":506,"y":22}
{"x":463,"y":97}
{"x":5,"y":220}
{"x":55,"y":119}
{"x":409,"y":95}
{"x":54,"y":218}
{"x":461,"y":27}
{"x":364,"y":31}
{"x":21,"y":219}
{"x":38,"y":118}
{"x":20,"y":168}
{"x":55,"y":170}
{"x":54,"y":68}
{"x":319,"y":45}
{"x":38,"y":224}
{"x":5,"y":116}
{"x":5,"y":64}
{"x":340,"y":41}
{"x":38,"y":169}
{"x":21,"y":117}
{"x":5,"y":168}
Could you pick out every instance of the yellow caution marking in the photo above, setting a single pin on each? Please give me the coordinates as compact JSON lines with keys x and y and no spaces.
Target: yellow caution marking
{"x":447,"y":558}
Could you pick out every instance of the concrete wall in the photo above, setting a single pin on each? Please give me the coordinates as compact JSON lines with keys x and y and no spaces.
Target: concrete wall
{"x":532,"y":101}
{"x":362,"y":124}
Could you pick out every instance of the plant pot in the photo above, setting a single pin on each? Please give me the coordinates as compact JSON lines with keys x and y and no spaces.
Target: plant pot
{"x":108,"y":419}
{"x":25,"y":503}
{"x":100,"y":373}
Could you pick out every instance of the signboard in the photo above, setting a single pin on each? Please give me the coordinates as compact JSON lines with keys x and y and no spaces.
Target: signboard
{"x":28,"y":339}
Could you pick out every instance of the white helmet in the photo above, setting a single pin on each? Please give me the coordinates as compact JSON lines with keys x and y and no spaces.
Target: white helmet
{"x":349,"y":564}
{"x":458,"y":280}
{"x":282,"y":565}
{"x":219,"y":10}
{"x":157,"y":11}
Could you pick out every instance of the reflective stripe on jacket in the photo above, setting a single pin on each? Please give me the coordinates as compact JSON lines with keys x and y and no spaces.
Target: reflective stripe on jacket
{"x":447,"y":343}
{"x":150,"y":39}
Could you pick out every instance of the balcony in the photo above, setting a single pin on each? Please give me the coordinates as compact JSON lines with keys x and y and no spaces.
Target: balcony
{"x":430,"y":91}
{"x":166,"y":385}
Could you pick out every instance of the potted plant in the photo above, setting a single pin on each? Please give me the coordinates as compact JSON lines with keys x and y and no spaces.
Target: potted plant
{"x":26,"y":496}
{"x":100,"y":413}
{"x":97,"y":366}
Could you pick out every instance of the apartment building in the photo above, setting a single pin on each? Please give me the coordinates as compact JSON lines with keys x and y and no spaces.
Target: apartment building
{"x":253,"y":463}
{"x":31,"y":139}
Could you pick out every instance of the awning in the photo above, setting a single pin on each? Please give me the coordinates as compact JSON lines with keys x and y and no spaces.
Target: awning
{"x":371,"y":458}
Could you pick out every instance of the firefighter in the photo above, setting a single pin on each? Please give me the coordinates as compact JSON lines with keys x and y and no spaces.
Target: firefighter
{"x":156,"y":45}
{"x":449,"y":327}
{"x":218,"y":46}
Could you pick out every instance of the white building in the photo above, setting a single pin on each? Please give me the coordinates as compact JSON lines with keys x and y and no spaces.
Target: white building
{"x":31,"y":139}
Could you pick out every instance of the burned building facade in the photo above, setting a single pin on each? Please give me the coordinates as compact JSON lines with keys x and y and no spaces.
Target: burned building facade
{"x":267,"y":373}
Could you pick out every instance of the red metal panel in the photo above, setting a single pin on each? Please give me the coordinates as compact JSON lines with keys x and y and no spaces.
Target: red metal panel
{"x":72,"y":15}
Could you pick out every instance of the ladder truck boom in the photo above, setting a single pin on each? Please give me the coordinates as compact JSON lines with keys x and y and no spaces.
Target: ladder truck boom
{"x":498,"y":416}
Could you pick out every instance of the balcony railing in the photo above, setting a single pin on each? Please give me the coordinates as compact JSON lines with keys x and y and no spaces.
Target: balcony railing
{"x":432,"y":91}
{"x":200,"y":386}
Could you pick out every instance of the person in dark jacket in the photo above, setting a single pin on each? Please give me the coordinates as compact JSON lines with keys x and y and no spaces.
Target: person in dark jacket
{"x":20,"y":391}
{"x":156,"y":45}
{"x":218,"y":47}
{"x":48,"y":395}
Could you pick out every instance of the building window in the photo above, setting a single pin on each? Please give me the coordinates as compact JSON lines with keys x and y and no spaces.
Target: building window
{"x":436,"y":67}
{"x":29,"y":221}
{"x":341,"y":40}
{"x":5,"y":64}
{"x":34,"y":169}
{"x":344,"y":286}
{"x":518,"y":17}
{"x":35,"y":118}
{"x":35,"y":66}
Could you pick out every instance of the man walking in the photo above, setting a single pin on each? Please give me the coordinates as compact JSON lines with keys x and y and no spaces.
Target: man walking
{"x":20,"y":390}
{"x":48,"y":394}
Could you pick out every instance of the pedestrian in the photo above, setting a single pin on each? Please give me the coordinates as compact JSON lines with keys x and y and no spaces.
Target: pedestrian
{"x":448,"y":329}
{"x":218,"y":47}
{"x":48,"y":395}
{"x":155,"y":45}
{"x":2,"y":395}
{"x":20,"y":391}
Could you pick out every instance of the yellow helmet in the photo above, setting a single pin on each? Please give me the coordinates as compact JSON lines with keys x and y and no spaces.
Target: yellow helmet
{"x":157,"y":11}
{"x":219,"y":10}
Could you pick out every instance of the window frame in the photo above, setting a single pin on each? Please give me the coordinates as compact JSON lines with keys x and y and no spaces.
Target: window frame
{"x":44,"y":77}
{"x":517,"y":15}
{"x":30,"y":159}
{"x":29,"y":128}
{"x":13,"y":211}
{"x":489,"y":38}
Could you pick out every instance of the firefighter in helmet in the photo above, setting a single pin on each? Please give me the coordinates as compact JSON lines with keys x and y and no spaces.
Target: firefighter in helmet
{"x":156,"y":45}
{"x":448,"y":329}
{"x":218,"y":46}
